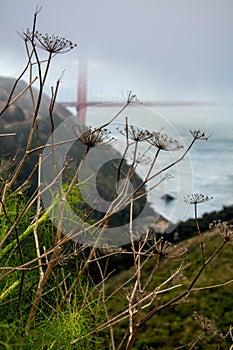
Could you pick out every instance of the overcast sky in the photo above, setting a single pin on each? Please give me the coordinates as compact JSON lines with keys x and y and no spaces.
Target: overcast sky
{"x":161,"y":49}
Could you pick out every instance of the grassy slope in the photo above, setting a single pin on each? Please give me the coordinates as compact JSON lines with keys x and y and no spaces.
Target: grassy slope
{"x":175,"y":326}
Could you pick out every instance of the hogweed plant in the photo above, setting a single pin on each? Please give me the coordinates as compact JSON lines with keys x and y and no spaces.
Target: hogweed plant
{"x":58,"y":260}
{"x":196,"y":199}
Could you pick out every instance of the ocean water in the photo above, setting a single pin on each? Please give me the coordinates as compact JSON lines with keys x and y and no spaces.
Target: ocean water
{"x":208,"y":167}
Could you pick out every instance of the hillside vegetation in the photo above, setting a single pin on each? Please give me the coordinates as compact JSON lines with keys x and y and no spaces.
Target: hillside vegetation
{"x":176,"y":326}
{"x":79,"y":267}
{"x":20,"y":113}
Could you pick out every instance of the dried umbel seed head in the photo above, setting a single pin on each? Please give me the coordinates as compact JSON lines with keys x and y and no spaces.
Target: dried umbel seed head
{"x":131,"y":97}
{"x":143,"y":159}
{"x":140,"y":158}
{"x":223,"y":229}
{"x":135,"y":134}
{"x":196,"y":198}
{"x":93,"y":137}
{"x":165,"y":249}
{"x":68,"y":161}
{"x":107,"y":250}
{"x":51,"y":43}
{"x":164,"y":142}
{"x":5,"y":164}
{"x":199,"y":135}
{"x":206,"y":325}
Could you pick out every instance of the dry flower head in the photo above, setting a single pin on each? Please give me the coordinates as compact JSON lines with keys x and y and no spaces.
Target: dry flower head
{"x":196,"y":198}
{"x":92,"y":137}
{"x":223,"y":229}
{"x":206,"y":325}
{"x":51,"y":43}
{"x":164,"y":142}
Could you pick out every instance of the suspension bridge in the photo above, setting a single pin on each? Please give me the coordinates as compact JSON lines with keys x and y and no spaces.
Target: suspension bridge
{"x":82,"y":103}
